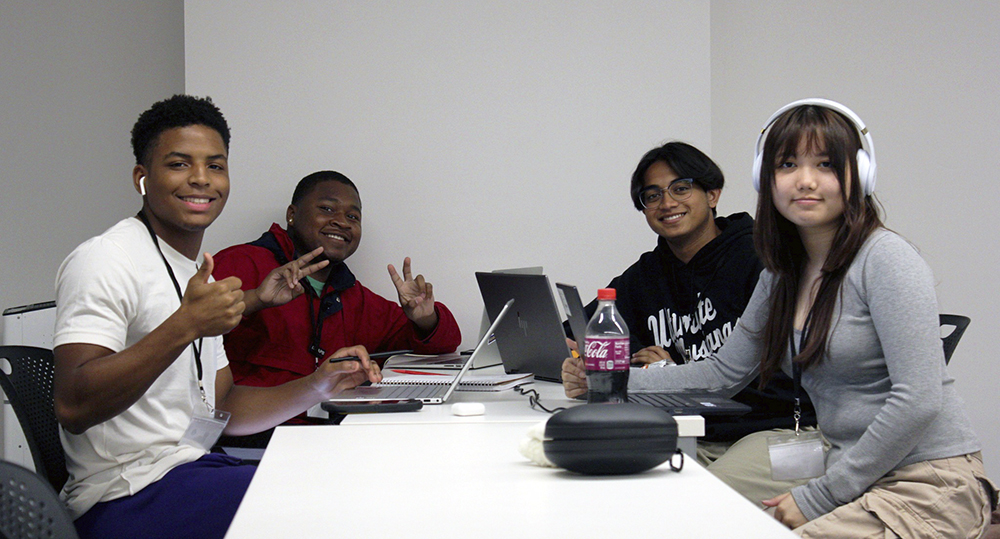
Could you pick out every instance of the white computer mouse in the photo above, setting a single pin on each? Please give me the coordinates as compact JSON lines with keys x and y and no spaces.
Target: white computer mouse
{"x":468,"y":408}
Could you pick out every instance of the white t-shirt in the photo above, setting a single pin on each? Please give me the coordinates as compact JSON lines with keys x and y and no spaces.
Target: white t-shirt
{"x":112,"y":291}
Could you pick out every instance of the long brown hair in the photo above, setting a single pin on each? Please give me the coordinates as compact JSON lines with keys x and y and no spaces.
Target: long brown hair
{"x":778,"y":242}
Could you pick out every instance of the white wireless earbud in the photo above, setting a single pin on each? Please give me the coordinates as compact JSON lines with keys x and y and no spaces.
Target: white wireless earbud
{"x":142,"y":186}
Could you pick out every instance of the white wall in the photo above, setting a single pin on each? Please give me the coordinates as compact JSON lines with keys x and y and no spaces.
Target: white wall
{"x":74,"y":76}
{"x":482,"y":135}
{"x":466,"y":125}
{"x":924,"y":81}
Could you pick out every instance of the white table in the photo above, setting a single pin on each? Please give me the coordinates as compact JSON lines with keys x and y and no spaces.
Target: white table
{"x":460,"y":480}
{"x":511,"y":407}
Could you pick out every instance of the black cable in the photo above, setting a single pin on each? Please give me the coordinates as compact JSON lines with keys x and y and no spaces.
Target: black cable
{"x":535,"y":399}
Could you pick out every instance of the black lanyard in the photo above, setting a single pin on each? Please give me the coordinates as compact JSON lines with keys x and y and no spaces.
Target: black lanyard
{"x":318,"y":316}
{"x":180,"y":296}
{"x":797,"y":368}
{"x":317,"y":319}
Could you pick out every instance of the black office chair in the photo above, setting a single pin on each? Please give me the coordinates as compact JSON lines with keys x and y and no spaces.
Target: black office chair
{"x":950,"y":340}
{"x":29,"y":389}
{"x":30,"y":507}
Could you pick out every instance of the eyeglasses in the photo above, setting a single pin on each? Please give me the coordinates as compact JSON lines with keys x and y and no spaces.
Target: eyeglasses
{"x":679,"y":190}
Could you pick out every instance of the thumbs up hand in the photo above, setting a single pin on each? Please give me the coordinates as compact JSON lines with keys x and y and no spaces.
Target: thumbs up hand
{"x":212,"y":308}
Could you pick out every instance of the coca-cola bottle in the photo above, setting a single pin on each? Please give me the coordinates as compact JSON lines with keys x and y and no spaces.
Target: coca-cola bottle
{"x":607,"y":353}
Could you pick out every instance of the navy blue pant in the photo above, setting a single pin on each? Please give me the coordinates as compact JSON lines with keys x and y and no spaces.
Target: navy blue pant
{"x":197,"y":499}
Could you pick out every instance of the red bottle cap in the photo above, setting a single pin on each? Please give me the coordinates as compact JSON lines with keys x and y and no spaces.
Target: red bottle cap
{"x":606,"y":294}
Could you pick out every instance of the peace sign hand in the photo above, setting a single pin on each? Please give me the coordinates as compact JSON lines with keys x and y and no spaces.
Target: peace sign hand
{"x":282,"y":284}
{"x":416,"y":297}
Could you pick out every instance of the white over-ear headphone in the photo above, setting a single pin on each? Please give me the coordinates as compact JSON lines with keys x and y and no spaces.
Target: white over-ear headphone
{"x":142,"y":185}
{"x":866,"y":159}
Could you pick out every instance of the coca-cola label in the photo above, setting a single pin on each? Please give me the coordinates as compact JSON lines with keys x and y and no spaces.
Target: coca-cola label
{"x":607,"y":354}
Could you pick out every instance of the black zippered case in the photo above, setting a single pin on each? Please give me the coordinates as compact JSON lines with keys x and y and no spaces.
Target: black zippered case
{"x":610,"y":439}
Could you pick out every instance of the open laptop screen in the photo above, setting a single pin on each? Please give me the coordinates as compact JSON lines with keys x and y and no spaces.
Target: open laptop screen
{"x":531,"y":337}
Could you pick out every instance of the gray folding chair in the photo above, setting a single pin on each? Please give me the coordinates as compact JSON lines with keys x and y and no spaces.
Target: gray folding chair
{"x":29,"y":389}
{"x":30,"y":507}
{"x":950,"y":341}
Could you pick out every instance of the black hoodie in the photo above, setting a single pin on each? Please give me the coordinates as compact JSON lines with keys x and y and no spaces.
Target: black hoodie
{"x":690,"y":310}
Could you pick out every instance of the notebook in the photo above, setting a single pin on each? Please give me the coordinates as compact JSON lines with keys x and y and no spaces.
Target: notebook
{"x":675,"y":403}
{"x":531,"y":338}
{"x":427,"y":394}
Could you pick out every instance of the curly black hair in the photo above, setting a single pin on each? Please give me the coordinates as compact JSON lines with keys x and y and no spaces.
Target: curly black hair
{"x":178,"y":111}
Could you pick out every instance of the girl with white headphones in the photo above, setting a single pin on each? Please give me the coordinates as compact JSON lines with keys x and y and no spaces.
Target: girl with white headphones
{"x":854,"y":304}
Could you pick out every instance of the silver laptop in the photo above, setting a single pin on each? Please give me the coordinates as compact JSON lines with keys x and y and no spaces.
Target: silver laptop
{"x":531,"y":339}
{"x":690,"y":402}
{"x":454,"y":360}
{"x":427,"y":394}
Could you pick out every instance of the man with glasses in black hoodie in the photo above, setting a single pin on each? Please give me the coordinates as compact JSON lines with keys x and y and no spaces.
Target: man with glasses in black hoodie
{"x":682,"y":300}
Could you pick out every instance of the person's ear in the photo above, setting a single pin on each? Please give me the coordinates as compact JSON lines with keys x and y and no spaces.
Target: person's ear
{"x":713,"y":197}
{"x":290,"y":215}
{"x":139,"y":179}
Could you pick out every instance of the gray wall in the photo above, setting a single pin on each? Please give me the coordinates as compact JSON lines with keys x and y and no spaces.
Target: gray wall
{"x":481,"y":135}
{"x":461,"y":123}
{"x":924,"y":81}
{"x":74,"y":76}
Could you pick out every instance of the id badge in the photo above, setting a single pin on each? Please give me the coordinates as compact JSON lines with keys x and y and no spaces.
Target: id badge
{"x":796,"y":457}
{"x":661,"y":363}
{"x":205,"y":430}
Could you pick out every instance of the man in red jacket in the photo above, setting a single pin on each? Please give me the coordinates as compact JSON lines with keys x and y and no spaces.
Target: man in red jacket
{"x":297,"y":313}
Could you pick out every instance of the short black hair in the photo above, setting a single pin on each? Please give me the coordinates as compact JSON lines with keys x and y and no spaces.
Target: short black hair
{"x":686,"y":161}
{"x":178,"y":111}
{"x":307,"y":184}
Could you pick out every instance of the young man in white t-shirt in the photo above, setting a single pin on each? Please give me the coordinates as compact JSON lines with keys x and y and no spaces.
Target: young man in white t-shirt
{"x":142,"y":383}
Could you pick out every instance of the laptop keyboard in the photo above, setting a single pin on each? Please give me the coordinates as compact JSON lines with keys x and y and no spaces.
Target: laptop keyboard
{"x":662,"y":400}
{"x":409,"y":392}
{"x":666,"y":400}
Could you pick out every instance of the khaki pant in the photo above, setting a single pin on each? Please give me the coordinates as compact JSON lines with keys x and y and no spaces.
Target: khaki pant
{"x":745,"y":465}
{"x":942,"y":498}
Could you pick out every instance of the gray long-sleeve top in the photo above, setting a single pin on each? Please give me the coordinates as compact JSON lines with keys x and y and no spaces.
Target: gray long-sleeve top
{"x":883,"y":397}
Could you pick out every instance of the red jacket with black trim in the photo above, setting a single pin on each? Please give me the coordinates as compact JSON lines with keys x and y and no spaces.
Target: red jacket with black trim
{"x":271,"y":347}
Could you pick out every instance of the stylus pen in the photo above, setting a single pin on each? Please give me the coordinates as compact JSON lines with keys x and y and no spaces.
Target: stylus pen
{"x":376,"y":355}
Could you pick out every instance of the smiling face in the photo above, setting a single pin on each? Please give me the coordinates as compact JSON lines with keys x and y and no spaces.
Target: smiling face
{"x":686,"y":225}
{"x":329,"y":216}
{"x":187,"y":185}
{"x":807,"y":190}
